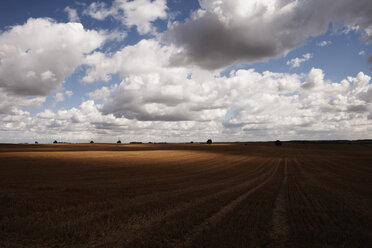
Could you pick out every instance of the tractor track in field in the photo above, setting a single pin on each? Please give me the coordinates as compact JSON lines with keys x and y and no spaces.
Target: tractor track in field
{"x":341,"y":196}
{"x":144,"y":225}
{"x":280,"y":228}
{"x":225,"y":210}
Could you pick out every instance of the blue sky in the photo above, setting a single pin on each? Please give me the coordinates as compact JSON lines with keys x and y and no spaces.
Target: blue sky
{"x":185,"y":70}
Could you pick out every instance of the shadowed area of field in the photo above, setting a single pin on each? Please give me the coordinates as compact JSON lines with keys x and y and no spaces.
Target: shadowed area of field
{"x":186,"y":195}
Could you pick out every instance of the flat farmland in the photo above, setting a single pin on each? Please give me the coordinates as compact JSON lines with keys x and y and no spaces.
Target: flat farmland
{"x":186,"y":195}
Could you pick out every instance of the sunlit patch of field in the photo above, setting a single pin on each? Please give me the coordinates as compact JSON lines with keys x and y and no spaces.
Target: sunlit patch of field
{"x":185,"y":195}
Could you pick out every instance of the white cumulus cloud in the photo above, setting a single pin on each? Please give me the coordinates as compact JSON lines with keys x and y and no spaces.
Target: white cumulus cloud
{"x":244,"y":103}
{"x":39,"y":65}
{"x":324,"y":43}
{"x":296,"y":62}
{"x":138,"y":13}
{"x":72,"y":14}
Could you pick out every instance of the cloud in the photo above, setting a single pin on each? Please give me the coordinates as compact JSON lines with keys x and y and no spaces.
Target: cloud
{"x":144,"y":57}
{"x":115,"y":35}
{"x":324,"y":43}
{"x":72,"y":14}
{"x":317,"y":107}
{"x":366,"y":30}
{"x":245,"y":105}
{"x":69,"y":93}
{"x":16,"y":120}
{"x":296,"y":62}
{"x":368,"y":34}
{"x":153,"y":90}
{"x":361,"y":53}
{"x":60,"y":96}
{"x":314,"y":80}
{"x":221,"y":33}
{"x":32,"y":68}
{"x":75,"y":124}
{"x":37,"y":66}
{"x":98,"y":10}
{"x":10,"y":102}
{"x":99,"y":94}
{"x":137,"y":13}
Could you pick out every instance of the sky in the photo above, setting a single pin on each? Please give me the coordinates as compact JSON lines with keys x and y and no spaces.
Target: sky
{"x":181,"y":71}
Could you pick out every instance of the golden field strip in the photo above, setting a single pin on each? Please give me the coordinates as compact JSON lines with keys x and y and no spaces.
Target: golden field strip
{"x":186,"y":195}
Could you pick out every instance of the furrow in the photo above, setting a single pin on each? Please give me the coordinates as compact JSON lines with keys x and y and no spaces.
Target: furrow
{"x":218,"y":216}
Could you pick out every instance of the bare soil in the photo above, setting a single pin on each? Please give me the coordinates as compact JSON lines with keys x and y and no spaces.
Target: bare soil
{"x":186,"y":195}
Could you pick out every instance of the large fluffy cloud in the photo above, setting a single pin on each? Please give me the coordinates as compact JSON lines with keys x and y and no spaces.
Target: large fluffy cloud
{"x":144,"y":57}
{"x":224,"y":32}
{"x":189,"y":104}
{"x":36,"y":57}
{"x":315,"y":107}
{"x":245,"y":102}
{"x":137,"y":13}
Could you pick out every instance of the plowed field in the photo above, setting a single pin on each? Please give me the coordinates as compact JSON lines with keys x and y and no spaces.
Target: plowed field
{"x":186,"y":195}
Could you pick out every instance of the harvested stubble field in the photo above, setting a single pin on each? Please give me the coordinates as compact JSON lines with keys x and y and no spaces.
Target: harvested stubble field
{"x":186,"y":195}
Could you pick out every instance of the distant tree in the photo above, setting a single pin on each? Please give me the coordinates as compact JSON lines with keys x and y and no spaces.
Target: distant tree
{"x":55,"y":142}
{"x":118,"y":142}
{"x":36,"y":142}
{"x":209,"y":141}
{"x":91,"y":141}
{"x":192,"y":142}
{"x":278,"y":143}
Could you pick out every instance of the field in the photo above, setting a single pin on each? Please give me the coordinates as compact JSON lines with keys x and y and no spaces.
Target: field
{"x":186,"y":195}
